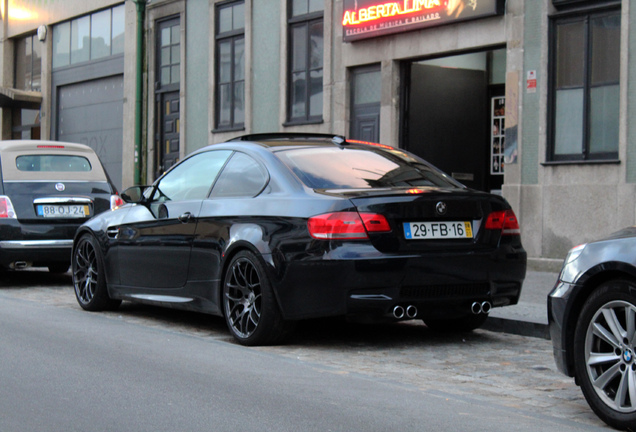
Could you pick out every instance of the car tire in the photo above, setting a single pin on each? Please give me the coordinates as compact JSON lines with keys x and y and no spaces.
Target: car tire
{"x":249,"y":306}
{"x":463,"y":324}
{"x":58,"y":268}
{"x":89,"y":280}
{"x":605,"y":353}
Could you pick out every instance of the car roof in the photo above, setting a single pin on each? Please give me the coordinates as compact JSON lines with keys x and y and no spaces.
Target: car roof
{"x":11,"y":149}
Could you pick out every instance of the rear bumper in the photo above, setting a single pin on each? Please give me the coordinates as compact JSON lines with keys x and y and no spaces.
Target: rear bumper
{"x":35,"y":244}
{"x":23,"y":253}
{"x":18,"y":245}
{"x":439,"y":286}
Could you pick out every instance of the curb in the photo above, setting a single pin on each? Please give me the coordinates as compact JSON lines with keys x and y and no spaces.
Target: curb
{"x":517,"y":327}
{"x":550,"y":265}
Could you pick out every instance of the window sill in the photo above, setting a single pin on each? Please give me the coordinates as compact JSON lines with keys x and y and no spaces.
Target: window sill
{"x":234,"y":129}
{"x":583,"y":162}
{"x":303,"y":122}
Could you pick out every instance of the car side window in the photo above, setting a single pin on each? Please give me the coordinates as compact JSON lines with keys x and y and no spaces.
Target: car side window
{"x":241,"y":177}
{"x":192,"y":178}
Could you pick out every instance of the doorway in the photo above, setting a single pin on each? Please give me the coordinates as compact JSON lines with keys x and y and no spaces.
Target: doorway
{"x":366,"y":91}
{"x":448,"y":115}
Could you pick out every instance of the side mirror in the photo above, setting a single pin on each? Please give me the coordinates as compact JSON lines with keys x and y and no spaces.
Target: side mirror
{"x":134,"y":194}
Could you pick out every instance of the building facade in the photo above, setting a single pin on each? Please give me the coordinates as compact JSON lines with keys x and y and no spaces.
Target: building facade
{"x":527,"y":98}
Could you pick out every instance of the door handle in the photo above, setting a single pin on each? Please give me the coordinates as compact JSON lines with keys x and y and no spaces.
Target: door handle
{"x":186,"y":217}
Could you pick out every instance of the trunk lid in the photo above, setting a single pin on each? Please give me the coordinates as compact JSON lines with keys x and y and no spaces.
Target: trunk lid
{"x":429,"y":219}
{"x":40,"y":201}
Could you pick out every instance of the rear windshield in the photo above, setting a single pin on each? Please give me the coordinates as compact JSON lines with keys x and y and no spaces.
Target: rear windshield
{"x":56,"y":163}
{"x":361,"y":168}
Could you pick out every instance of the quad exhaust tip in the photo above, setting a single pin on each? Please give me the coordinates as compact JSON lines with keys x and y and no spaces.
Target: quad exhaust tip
{"x":483,"y":307}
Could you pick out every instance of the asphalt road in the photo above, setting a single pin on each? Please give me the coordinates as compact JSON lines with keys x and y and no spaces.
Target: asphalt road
{"x":149,"y":369}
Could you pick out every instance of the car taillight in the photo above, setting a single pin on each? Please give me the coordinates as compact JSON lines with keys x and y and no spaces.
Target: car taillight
{"x":115,"y":201}
{"x":375,"y":222}
{"x":6,"y":208}
{"x":346,"y":225}
{"x":504,"y":220}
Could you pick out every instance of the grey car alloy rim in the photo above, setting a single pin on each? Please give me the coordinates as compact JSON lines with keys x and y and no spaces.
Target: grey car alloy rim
{"x":243,"y":298}
{"x":610,"y":356}
{"x":85,"y":271}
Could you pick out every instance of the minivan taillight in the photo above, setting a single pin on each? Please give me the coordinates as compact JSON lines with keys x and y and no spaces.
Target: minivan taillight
{"x":504,"y":220}
{"x":6,"y":208}
{"x":346,"y":225}
{"x":116,"y":201}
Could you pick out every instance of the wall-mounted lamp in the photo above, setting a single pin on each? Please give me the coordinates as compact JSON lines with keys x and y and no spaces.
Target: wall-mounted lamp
{"x":42,"y":33}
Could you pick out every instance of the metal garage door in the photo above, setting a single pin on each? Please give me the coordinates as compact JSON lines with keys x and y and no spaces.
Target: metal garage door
{"x":91,"y":112}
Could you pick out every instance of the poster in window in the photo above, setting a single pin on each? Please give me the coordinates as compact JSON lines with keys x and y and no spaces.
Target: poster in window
{"x":512,"y":98}
{"x":498,"y":130}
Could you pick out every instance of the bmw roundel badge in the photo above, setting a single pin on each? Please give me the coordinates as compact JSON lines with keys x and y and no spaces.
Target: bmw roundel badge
{"x":441,"y":208}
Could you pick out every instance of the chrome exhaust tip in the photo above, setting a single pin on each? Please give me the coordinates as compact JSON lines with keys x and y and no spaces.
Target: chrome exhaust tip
{"x":486,"y":307}
{"x":398,"y":312}
{"x":476,"y":308}
{"x":19,"y":265}
{"x":411,"y":311}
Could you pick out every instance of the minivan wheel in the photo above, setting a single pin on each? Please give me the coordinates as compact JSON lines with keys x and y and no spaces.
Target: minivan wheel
{"x":89,"y":280}
{"x":249,"y":306}
{"x":605,"y":353}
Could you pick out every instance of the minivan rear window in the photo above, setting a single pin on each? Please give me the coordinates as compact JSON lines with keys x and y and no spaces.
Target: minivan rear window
{"x":53,"y":163}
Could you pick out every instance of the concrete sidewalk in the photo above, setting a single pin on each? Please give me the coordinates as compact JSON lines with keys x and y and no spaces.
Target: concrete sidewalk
{"x":530,"y":316}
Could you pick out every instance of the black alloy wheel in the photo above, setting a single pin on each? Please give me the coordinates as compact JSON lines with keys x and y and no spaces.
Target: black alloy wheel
{"x":249,"y":306}
{"x":457,"y":325}
{"x":605,"y":353}
{"x":89,"y":280}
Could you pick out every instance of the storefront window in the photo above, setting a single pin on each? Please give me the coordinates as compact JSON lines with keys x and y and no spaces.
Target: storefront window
{"x":305,"y":61}
{"x":28,"y":63}
{"x":80,"y":36}
{"x":26,"y":124}
{"x":100,"y":34}
{"x":230,"y":66}
{"x":90,"y":37}
{"x":585,"y":95}
{"x":119,"y":23}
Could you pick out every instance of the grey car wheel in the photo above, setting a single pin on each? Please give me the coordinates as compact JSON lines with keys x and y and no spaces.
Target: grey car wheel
{"x":89,"y":280}
{"x":605,"y":353}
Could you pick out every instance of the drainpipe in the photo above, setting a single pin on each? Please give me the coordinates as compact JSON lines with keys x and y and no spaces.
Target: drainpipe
{"x":141,"y":8}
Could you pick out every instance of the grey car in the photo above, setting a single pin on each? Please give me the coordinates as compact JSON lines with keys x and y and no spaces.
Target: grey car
{"x":592,"y":316}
